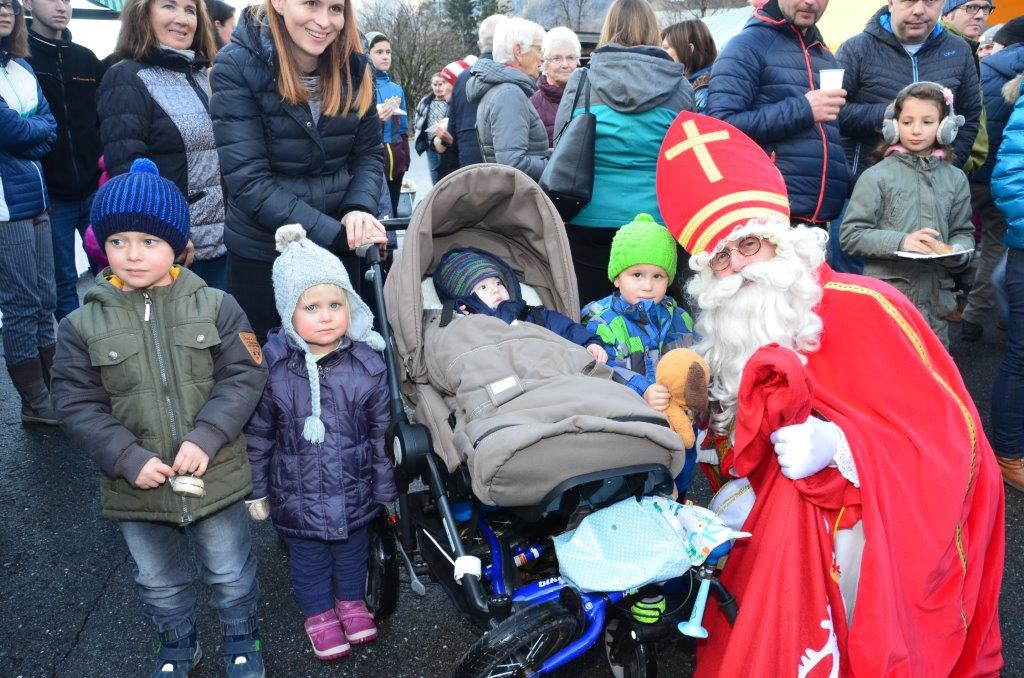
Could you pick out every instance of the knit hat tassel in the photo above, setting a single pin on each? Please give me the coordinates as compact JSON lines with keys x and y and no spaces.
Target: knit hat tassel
{"x":314,"y":430}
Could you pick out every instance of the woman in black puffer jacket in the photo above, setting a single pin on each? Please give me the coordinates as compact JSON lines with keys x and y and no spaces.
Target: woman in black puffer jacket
{"x":155,"y":102}
{"x":299,"y":142}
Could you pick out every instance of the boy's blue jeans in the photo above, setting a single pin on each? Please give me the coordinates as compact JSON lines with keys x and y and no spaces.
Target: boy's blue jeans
{"x":222,"y":547}
{"x":66,"y":218}
{"x":1008,"y":388}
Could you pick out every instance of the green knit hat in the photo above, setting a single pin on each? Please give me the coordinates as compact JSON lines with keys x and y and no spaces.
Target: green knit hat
{"x":642,"y":241}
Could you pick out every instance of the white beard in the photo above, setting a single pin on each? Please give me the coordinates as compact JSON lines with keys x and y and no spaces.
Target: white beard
{"x":767,"y":302}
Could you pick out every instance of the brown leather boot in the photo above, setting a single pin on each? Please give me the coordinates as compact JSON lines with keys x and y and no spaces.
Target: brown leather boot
{"x":35,"y":397}
{"x":1013,"y":472}
{"x":46,"y":354}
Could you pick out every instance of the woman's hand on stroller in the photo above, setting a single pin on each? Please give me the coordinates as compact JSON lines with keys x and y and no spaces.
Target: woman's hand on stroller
{"x":658,"y":397}
{"x":598,"y":353}
{"x":362,"y":228}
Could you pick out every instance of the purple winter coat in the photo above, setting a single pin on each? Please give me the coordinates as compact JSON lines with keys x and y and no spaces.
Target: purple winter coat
{"x":329,"y":490}
{"x":546,"y":100}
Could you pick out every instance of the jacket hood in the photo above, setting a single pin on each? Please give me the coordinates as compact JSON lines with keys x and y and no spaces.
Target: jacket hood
{"x":633,"y":79}
{"x":1008,"y":62}
{"x":771,"y":15}
{"x":106,"y":293}
{"x":1011,"y":90}
{"x":486,"y":74}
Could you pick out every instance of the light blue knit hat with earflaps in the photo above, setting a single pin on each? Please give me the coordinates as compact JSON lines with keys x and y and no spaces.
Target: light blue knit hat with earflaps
{"x":301,"y":265}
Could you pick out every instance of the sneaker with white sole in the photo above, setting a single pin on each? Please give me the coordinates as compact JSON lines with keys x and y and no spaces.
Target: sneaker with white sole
{"x":356,"y":620}
{"x":325,"y":634}
{"x":176,"y":659}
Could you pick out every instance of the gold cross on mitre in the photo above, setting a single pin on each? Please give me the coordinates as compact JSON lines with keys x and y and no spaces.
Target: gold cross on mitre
{"x":698,"y":143}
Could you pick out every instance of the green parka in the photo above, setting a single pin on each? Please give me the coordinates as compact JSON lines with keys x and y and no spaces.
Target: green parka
{"x":902,"y":194}
{"x":137,"y":373}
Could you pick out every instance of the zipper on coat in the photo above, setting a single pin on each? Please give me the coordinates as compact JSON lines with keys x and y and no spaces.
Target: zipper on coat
{"x":203,"y":96}
{"x":67,"y":117}
{"x":150,"y":319}
{"x":821,"y":130}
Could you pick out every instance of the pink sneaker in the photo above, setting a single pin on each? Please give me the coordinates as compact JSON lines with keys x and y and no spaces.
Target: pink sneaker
{"x":325,"y":634}
{"x":357,"y":621}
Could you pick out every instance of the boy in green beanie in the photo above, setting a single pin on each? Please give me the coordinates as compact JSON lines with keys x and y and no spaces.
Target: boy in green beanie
{"x":640,"y":322}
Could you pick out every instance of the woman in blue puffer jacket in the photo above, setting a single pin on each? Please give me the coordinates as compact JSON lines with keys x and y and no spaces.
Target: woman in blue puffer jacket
{"x":1008,"y":390}
{"x":27,"y":295}
{"x":390,"y":100}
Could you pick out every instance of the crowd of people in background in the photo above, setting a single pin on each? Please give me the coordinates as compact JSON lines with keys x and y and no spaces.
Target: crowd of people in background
{"x":288,"y":114}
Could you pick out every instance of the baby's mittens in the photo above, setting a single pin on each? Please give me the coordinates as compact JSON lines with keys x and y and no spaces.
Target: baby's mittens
{"x":259,"y":509}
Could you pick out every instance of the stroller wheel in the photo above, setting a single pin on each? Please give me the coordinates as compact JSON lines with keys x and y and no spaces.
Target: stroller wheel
{"x":520,"y":644}
{"x":382,"y":570}
{"x":627,"y":656}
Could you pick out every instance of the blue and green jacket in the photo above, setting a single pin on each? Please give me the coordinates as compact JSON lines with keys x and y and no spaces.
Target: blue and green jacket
{"x":636,"y":335}
{"x":397,"y":126}
{"x":635,"y":94}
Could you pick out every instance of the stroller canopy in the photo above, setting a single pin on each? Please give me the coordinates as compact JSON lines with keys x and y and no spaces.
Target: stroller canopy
{"x":492,"y":207}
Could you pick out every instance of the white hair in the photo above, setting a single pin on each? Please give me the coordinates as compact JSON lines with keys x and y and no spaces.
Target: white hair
{"x":515,"y":31}
{"x":485,"y":33}
{"x":561,"y":34}
{"x":767,"y":302}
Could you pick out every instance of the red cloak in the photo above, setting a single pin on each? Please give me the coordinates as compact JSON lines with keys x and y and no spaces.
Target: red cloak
{"x":930,"y":498}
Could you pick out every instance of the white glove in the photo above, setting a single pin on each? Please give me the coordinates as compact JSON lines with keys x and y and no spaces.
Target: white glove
{"x":259,"y":509}
{"x":804,"y":449}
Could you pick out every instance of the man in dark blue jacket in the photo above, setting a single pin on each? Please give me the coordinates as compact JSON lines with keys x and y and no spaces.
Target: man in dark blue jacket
{"x":901,"y":44}
{"x":461,"y":112}
{"x":996,"y":71}
{"x":766,"y":83}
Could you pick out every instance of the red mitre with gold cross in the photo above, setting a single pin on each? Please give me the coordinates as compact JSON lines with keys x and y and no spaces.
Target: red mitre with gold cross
{"x":713,"y":178}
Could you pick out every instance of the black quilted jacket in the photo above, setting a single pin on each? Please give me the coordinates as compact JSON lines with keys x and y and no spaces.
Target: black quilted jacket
{"x":878,"y":67}
{"x":279,"y":165}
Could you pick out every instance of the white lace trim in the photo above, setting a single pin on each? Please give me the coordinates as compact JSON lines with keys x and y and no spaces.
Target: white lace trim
{"x":844,"y":458}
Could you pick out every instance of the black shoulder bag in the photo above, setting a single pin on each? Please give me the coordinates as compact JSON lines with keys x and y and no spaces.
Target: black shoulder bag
{"x":568,"y":178}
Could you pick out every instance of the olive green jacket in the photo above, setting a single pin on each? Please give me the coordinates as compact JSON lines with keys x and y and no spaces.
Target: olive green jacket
{"x":897,"y":196}
{"x":137,"y":373}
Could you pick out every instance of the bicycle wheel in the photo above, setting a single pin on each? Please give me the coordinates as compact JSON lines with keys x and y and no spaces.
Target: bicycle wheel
{"x":521,"y":643}
{"x":628,"y":658}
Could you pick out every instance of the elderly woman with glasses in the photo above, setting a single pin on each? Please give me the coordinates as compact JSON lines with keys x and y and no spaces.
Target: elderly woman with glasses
{"x":561,"y":53}
{"x":510,"y":129}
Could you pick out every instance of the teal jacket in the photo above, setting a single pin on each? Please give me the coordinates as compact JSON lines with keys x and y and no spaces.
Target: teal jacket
{"x":635,"y":94}
{"x":1008,"y":175}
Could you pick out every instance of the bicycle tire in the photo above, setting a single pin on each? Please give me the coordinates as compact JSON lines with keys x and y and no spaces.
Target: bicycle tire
{"x":526,"y":640}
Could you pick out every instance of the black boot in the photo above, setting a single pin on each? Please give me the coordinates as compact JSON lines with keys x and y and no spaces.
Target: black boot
{"x":46,"y":358}
{"x":35,"y":397}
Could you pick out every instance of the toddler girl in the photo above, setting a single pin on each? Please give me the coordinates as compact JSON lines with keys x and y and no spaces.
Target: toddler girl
{"x":915,"y":201}
{"x":316,"y":441}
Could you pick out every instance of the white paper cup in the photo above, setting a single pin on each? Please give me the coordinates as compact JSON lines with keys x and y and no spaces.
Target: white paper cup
{"x":831,"y":78}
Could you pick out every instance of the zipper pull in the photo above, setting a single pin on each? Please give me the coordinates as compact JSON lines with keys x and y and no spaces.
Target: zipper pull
{"x":149,"y":303}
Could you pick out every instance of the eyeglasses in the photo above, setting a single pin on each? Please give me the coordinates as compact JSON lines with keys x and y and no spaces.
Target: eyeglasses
{"x":559,"y":60}
{"x":972,"y":9}
{"x":12,"y":6}
{"x":747,"y":247}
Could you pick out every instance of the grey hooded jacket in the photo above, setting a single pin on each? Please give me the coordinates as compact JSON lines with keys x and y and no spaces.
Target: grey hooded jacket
{"x":508,"y":126}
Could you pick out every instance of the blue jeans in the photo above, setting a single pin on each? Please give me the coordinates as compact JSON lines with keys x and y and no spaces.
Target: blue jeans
{"x":433,"y":159}
{"x":27,"y":297}
{"x":65,"y":219}
{"x":214,"y":272}
{"x":163,"y":559}
{"x":325,"y":571}
{"x":1008,"y":388}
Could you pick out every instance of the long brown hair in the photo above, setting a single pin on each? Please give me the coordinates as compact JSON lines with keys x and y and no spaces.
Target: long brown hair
{"x":338,"y":92}
{"x":630,"y":23}
{"x":693,"y":32}
{"x":16,"y":44}
{"x":136,"y":38}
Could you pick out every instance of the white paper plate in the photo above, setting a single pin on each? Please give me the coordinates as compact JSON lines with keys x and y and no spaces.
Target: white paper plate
{"x":917,"y":255}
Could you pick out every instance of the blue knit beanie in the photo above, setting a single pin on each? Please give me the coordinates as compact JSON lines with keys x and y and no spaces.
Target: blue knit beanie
{"x":461,"y":268}
{"x":951,"y":5}
{"x":142,"y":201}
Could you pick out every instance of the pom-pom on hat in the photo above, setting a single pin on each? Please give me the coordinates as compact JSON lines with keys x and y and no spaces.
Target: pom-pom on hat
{"x":713,"y":179}
{"x":452,"y":71}
{"x":460,"y":269}
{"x":301,"y":265}
{"x":141,"y":201}
{"x":642,"y":241}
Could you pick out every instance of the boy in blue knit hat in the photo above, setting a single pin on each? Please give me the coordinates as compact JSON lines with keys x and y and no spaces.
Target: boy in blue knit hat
{"x":155,"y":376}
{"x":475,"y":281}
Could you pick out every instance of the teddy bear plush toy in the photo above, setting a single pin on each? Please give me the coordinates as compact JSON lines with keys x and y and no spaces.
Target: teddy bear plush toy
{"x":685,"y":375}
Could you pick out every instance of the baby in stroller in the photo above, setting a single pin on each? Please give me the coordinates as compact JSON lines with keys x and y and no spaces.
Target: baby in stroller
{"x":475,"y":281}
